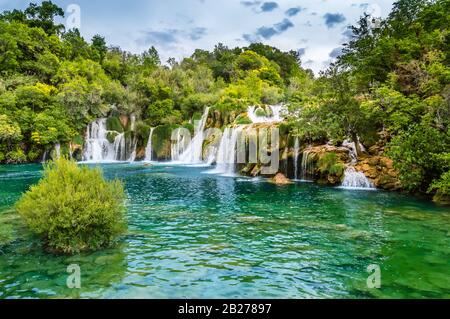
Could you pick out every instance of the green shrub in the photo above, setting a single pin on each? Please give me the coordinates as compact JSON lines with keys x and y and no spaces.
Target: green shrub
{"x":17,"y":156}
{"x":73,"y":208}
{"x":441,"y":188}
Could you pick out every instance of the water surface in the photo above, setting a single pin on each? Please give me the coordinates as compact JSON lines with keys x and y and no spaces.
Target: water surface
{"x":196,"y":235}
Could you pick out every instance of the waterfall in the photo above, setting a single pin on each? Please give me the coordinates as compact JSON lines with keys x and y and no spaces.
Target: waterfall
{"x":44,"y":157}
{"x":276,"y":116}
{"x":227,"y":153}
{"x":149,"y":148}
{"x":99,"y":149}
{"x":194,"y":152}
{"x":134,"y":151}
{"x":352,"y":148}
{"x":356,"y":180}
{"x":307,"y":167}
{"x":58,"y":150}
{"x":296,"y":154}
{"x":177,"y":148}
{"x":120,"y":147}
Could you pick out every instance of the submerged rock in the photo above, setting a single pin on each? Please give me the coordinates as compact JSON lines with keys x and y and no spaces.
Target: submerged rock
{"x":280,"y":179}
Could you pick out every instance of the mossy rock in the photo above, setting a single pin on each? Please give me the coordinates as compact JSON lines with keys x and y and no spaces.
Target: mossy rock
{"x":441,"y":199}
{"x":161,"y":141}
{"x":111,"y":136}
{"x":114,"y":124}
{"x":260,"y":112}
{"x":242,"y":119}
{"x":78,"y":140}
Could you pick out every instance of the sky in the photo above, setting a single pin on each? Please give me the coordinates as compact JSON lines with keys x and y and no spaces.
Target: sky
{"x":315,"y":28}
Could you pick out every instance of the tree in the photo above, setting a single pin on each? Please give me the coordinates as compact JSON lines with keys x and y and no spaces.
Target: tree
{"x":99,"y":47}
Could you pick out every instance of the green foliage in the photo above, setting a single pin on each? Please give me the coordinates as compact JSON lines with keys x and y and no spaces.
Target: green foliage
{"x":16,"y":156}
{"x":328,"y":164}
{"x":9,"y":130}
{"x":73,"y":209}
{"x":415,"y":155}
{"x":441,"y":186}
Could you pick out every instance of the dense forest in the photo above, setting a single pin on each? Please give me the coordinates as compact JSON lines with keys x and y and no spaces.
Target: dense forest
{"x":389,"y":89}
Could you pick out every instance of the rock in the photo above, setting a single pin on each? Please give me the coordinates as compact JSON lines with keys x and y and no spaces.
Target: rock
{"x":381,"y":171}
{"x":280,"y":179}
{"x":256,"y":171}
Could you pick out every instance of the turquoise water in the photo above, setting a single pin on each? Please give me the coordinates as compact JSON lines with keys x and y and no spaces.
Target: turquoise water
{"x":195,"y":235}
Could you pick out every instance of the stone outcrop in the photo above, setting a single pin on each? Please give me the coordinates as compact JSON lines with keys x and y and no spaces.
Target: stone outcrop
{"x":380,"y":170}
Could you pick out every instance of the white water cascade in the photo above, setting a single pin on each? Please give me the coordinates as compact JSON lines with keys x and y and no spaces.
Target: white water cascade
{"x":227,"y":153}
{"x":307,"y":167}
{"x":296,"y":154}
{"x":276,"y":116}
{"x":97,"y":147}
{"x":58,"y":150}
{"x":149,"y":148}
{"x":352,"y":148}
{"x":194,"y":152}
{"x":356,"y":180}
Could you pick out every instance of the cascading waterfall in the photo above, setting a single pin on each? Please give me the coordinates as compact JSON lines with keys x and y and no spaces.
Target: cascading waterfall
{"x":58,"y":150}
{"x":356,"y":180}
{"x":227,"y":153}
{"x":277,"y":111}
{"x":120,"y":147}
{"x":352,"y":148}
{"x":134,"y":151}
{"x":296,"y":154}
{"x":98,"y":148}
{"x":149,"y":148}
{"x":44,"y":156}
{"x":307,"y":168}
{"x":177,"y":148}
{"x":194,"y":152}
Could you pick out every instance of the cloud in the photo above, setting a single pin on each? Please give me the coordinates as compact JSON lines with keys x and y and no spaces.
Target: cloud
{"x":197,"y":33}
{"x":163,"y":38}
{"x":168,"y":37}
{"x":333,"y":19}
{"x":251,"y":38}
{"x":266,"y":32}
{"x":335,"y":52}
{"x":250,"y":3}
{"x":284,"y":25}
{"x":348,"y":34}
{"x":269,"y":6}
{"x":301,"y":52}
{"x":293,"y":11}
